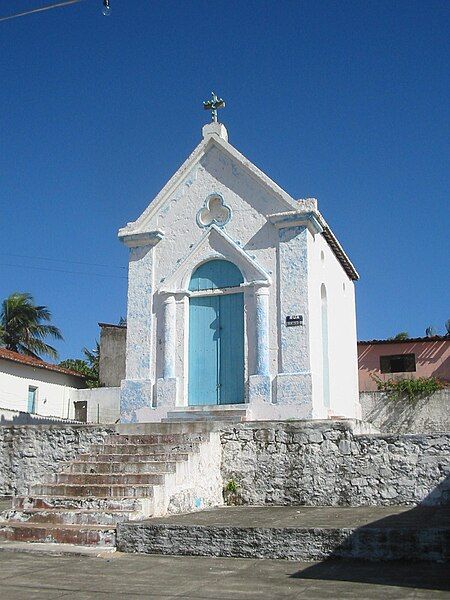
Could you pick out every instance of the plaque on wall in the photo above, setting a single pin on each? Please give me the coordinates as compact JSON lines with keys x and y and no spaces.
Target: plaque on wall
{"x":294,"y":320}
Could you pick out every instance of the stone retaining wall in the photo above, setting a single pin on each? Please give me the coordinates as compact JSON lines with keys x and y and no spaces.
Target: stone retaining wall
{"x":325,"y":463}
{"x":28,"y":453}
{"x":315,"y":463}
{"x":401,"y":415}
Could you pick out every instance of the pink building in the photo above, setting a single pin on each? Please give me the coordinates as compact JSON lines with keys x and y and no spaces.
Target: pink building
{"x":411,"y":358}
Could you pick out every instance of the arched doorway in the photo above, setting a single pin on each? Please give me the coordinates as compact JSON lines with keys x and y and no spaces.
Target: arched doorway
{"x":216,"y":335}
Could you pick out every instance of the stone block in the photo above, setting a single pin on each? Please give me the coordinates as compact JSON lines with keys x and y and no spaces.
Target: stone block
{"x":134,"y":396}
{"x":295,"y":389}
{"x":166,"y":392}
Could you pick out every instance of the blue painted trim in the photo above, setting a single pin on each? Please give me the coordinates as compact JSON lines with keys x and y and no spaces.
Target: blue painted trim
{"x":215,"y":274}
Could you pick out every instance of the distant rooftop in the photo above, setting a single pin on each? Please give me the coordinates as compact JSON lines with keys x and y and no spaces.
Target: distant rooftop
{"x":434,"y":338}
{"x":124,"y":326}
{"x":35,"y":362}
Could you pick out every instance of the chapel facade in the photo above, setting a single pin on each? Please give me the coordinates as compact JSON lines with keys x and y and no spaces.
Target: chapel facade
{"x":238,"y":295}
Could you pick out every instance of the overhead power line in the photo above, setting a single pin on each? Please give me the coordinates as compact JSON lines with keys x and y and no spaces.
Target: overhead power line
{"x":63,"y":260}
{"x":62,"y":271}
{"x":106,"y":10}
{"x":40,"y":9}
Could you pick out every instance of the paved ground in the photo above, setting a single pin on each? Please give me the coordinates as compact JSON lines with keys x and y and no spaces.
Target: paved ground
{"x":308,"y":516}
{"x":125,"y":576}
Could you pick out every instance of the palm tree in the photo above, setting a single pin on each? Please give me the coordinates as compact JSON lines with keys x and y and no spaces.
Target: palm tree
{"x":93,"y":357}
{"x":88,"y":367}
{"x":24,"y":326}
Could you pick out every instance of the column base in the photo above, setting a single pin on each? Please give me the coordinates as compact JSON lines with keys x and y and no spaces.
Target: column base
{"x":259,"y":389}
{"x":135,"y":399}
{"x":166,"y":393}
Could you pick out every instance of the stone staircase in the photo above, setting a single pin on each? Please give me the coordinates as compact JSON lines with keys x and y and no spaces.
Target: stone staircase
{"x":128,"y":478}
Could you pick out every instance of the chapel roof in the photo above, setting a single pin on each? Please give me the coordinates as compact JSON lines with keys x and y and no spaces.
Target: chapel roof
{"x":215,"y":134}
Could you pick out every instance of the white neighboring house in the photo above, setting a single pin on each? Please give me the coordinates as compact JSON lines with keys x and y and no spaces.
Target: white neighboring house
{"x":29,"y":385}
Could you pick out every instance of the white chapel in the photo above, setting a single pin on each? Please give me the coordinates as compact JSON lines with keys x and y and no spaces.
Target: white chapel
{"x":240,"y":298}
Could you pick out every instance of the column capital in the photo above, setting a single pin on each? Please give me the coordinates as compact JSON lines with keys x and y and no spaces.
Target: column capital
{"x":262,"y":290}
{"x":168,"y":298}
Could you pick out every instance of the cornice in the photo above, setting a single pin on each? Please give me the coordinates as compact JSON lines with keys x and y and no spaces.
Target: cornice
{"x":135,"y":240}
{"x":294,"y":218}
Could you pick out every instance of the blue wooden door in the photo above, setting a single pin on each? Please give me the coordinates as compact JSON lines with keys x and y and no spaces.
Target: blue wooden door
{"x":203,"y":350}
{"x":216,"y":349}
{"x":231,"y":349}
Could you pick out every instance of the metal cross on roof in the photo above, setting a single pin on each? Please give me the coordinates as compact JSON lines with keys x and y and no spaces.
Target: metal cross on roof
{"x":213,"y":105}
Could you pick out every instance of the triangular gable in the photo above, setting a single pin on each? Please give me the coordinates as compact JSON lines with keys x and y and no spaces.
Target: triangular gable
{"x":214,"y":244}
{"x":183,"y":173}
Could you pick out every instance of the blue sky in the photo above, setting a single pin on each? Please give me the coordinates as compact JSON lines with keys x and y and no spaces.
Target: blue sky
{"x":343,"y":101}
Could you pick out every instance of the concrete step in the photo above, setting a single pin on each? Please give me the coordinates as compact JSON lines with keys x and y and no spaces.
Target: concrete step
{"x":71,"y":517}
{"x":156,"y":438}
{"x":203,"y":418}
{"x":85,"y":535}
{"x":134,"y":458}
{"x":110,"y":478}
{"x":296,"y":533}
{"x":95,"y":490}
{"x":205,"y":414}
{"x":213,"y":408}
{"x":80,"y":503}
{"x":166,"y":428}
{"x":57,"y":549}
{"x":147,"y":449}
{"x":151,"y":466}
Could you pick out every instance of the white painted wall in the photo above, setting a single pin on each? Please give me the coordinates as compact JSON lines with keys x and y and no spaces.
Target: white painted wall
{"x":343,"y":362}
{"x":56,"y":392}
{"x":103,"y":404}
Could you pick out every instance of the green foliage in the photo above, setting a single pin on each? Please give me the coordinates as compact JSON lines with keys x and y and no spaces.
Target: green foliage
{"x":430,"y":331}
{"x":89,"y":367}
{"x":412,"y":389}
{"x":231,"y":487}
{"x":403,"y":335}
{"x":81,"y":366}
{"x":93,"y":357}
{"x":24,"y":326}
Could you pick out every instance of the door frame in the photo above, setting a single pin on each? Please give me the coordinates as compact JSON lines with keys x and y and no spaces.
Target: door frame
{"x":242,"y":289}
{"x":215,"y":244}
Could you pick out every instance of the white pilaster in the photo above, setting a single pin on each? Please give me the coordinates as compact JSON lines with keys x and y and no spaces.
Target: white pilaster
{"x":169,"y":337}
{"x":260,"y":386}
{"x":137,"y":387}
{"x":139,"y":313}
{"x":294,"y":383}
{"x":167,"y":386}
{"x":262,"y":330}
